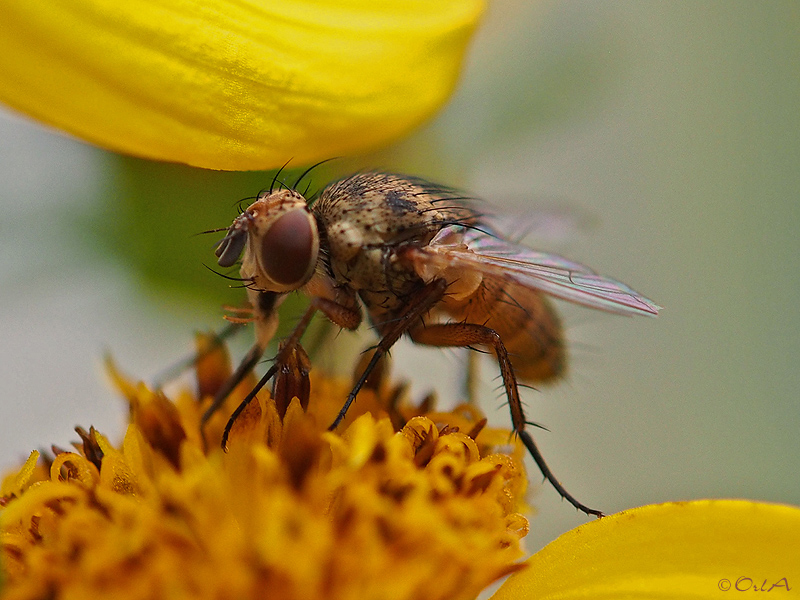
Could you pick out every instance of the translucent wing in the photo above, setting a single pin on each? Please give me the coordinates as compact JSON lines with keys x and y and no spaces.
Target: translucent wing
{"x":457,"y":248}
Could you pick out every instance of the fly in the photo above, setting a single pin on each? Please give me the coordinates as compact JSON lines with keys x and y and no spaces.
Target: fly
{"x":422,"y":261}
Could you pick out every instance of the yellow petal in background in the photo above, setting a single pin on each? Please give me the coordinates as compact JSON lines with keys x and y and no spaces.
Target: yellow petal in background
{"x":233,"y":85}
{"x":700,"y":549}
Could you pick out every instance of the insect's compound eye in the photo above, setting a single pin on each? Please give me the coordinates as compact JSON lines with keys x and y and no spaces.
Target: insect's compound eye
{"x":289,"y":248}
{"x":230,"y":248}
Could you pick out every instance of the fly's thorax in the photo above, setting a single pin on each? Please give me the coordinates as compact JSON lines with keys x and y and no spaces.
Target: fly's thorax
{"x":373,"y":209}
{"x":366,"y":216}
{"x":282,"y":242}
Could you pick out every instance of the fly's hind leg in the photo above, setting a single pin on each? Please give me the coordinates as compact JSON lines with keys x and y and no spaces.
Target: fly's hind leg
{"x":470,"y":334}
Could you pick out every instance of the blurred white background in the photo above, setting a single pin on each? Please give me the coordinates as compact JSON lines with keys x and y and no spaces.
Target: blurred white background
{"x":672,"y":129}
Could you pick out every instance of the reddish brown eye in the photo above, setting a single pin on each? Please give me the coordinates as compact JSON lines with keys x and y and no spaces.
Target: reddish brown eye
{"x":289,"y":248}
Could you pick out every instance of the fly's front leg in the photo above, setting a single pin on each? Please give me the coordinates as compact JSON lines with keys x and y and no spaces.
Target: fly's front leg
{"x":470,"y":334}
{"x":288,"y":348}
{"x":291,"y":379}
{"x":413,"y":312}
{"x":265,"y":306}
{"x":291,"y":354}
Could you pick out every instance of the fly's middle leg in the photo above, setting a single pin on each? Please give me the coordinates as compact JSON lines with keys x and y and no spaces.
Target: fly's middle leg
{"x":418,"y":305}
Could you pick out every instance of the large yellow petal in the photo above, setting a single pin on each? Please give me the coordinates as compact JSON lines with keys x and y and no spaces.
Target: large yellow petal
{"x":700,"y":549}
{"x":233,"y":84}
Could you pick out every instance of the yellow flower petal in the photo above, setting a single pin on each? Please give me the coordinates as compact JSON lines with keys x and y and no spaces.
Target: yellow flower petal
{"x":14,"y":484}
{"x":116,"y":473}
{"x":698,"y":549}
{"x":69,"y":466}
{"x":233,"y":85}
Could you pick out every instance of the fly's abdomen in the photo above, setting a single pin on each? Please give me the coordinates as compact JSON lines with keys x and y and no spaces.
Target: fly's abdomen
{"x":526,"y":322}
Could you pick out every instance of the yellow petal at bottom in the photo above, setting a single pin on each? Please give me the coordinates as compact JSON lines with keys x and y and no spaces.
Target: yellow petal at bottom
{"x":698,"y":549}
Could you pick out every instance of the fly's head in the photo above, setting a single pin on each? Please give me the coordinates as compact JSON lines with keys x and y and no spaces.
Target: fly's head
{"x":277,"y":240}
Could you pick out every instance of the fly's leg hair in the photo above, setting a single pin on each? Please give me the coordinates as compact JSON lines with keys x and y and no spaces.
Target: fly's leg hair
{"x":416,"y":308}
{"x":470,"y":334}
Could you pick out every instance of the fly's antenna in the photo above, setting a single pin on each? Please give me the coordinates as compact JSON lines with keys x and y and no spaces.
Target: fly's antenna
{"x":277,"y":174}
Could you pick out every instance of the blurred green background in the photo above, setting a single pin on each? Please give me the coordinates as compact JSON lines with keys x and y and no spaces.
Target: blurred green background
{"x":665,"y":136}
